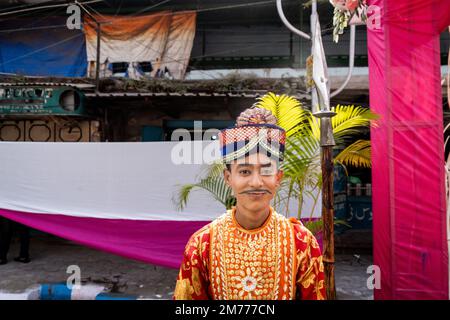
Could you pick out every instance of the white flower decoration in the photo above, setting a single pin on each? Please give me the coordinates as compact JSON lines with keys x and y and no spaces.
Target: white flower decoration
{"x":249,"y":283}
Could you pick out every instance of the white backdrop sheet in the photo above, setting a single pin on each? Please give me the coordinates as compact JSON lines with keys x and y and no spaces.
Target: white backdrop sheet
{"x":136,"y":181}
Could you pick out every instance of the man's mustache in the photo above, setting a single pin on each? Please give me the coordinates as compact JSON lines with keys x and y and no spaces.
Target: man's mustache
{"x":256,"y":190}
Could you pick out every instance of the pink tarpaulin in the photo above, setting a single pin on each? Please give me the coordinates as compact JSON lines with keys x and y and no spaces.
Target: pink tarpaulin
{"x":157,"y":242}
{"x":409,"y":211}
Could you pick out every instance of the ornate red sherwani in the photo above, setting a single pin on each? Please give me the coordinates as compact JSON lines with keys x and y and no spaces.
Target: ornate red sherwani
{"x":279,"y":260}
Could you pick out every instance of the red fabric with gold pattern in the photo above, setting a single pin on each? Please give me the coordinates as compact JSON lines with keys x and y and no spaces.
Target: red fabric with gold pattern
{"x":280,"y":260}
{"x":310,"y":278}
{"x":192,"y":281}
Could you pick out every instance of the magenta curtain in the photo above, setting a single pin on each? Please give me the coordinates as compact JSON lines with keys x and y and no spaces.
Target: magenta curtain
{"x":409,"y":210}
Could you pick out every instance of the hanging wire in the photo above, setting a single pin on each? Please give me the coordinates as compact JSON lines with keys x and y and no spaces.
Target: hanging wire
{"x":25,"y":6}
{"x":45,"y":7}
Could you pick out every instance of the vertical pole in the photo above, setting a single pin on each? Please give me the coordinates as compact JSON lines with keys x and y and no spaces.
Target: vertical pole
{"x":291,"y":44}
{"x":105,"y":124}
{"x":326,"y":144}
{"x":203,"y":43}
{"x":328,"y":208}
{"x":301,"y":43}
{"x":314,"y":99}
{"x":97,"y":66}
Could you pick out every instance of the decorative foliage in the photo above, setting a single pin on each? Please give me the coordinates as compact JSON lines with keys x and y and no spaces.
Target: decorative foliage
{"x":214,"y":184}
{"x":344,"y":10}
{"x":358,"y":154}
{"x":286,"y":109}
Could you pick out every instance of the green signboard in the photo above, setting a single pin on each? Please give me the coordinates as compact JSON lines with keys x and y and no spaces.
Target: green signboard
{"x":41,"y":100}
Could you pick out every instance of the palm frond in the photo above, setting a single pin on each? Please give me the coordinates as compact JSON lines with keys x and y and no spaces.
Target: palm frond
{"x":286,"y":109}
{"x":314,"y":127}
{"x":214,"y":185}
{"x":315,"y":226}
{"x":216,"y":169}
{"x":302,"y":154}
{"x":358,"y":154}
{"x":217,"y":187}
{"x":182,"y":197}
{"x":349,"y":120}
{"x":341,"y":222}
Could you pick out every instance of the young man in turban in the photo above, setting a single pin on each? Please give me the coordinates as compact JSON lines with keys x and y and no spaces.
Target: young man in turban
{"x":252,"y":252}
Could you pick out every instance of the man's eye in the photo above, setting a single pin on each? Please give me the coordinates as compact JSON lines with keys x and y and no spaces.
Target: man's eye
{"x":244,"y":172}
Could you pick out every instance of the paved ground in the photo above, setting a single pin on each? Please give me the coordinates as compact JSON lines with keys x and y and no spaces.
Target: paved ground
{"x":351,"y":276}
{"x":51,"y":256}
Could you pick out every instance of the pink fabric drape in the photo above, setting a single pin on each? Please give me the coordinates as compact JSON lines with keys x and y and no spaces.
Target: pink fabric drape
{"x":409,"y":216}
{"x":157,"y":242}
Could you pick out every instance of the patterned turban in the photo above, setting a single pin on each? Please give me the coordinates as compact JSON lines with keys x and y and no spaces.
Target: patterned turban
{"x":255,"y":131}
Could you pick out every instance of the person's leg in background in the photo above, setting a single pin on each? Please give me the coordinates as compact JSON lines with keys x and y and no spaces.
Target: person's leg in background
{"x":24,"y":236}
{"x":5,"y":239}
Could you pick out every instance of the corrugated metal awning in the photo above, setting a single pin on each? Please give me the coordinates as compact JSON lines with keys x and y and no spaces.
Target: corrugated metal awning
{"x":178,"y":94}
{"x":88,"y":90}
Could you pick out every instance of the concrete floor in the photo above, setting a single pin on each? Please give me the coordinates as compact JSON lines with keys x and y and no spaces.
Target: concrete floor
{"x":51,"y":256}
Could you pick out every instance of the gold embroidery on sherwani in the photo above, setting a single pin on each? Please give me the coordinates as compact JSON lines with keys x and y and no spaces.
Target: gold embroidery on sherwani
{"x":252,"y":264}
{"x":184,"y":290}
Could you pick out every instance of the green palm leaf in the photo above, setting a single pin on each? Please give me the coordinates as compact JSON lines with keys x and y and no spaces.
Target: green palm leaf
{"x":358,"y":154}
{"x":350,"y":119}
{"x":182,"y":197}
{"x":285,"y":108}
{"x":302,"y":154}
{"x":213,"y":184}
{"x":215,"y":169}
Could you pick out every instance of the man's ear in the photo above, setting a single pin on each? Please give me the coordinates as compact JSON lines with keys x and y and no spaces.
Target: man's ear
{"x":226,"y":176}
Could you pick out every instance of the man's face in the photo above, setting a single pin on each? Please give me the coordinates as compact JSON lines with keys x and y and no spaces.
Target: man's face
{"x":254,"y":181}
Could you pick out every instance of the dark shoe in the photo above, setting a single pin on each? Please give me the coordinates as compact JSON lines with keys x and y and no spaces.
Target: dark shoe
{"x":22,"y":259}
{"x":3,"y":261}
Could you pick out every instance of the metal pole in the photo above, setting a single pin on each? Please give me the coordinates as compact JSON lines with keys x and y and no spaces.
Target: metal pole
{"x":99,"y":30}
{"x":97,"y":66}
{"x":314,"y":98}
{"x":288,"y":24}
{"x":300,"y":41}
{"x":326,"y":155}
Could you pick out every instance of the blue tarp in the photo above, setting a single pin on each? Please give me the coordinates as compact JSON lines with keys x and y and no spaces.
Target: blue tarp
{"x":53,"y":51}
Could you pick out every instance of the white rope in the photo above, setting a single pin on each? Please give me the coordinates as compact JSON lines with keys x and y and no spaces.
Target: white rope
{"x":44,"y":7}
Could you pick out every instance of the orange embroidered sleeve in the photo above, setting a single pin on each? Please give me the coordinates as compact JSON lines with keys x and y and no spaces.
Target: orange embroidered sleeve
{"x":310,"y":280}
{"x":192,"y":282}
